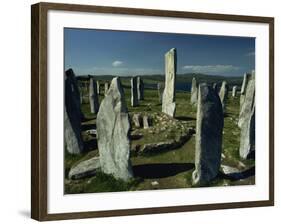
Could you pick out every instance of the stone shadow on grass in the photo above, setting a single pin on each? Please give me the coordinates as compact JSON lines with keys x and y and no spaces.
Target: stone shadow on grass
{"x":185,"y":118}
{"x":86,"y":127}
{"x":239,"y":175}
{"x":161,"y":170}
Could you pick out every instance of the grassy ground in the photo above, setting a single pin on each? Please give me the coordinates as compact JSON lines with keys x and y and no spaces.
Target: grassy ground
{"x":162,"y":170}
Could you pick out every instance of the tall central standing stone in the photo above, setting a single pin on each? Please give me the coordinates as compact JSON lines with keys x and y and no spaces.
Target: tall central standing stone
{"x":134,"y":92}
{"x":93,"y":96}
{"x":140,"y":88}
{"x":72,"y":115}
{"x":112,"y":133}
{"x":209,"y":127}
{"x":194,"y":92}
{"x":168,"y":102}
{"x":223,"y":94}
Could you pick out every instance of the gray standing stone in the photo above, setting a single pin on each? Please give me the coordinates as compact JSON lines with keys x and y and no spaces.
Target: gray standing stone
{"x":246,"y":79}
{"x":194,"y":92}
{"x":112,"y":133}
{"x":247,"y":138}
{"x":168,"y":102}
{"x":209,"y":128}
{"x":249,"y":100}
{"x":93,"y":96}
{"x":234,"y":91}
{"x":137,"y":120}
{"x":134,"y":92}
{"x":247,"y":121}
{"x":223,"y":94}
{"x":98,"y":87}
{"x":72,"y":115}
{"x":140,"y":88}
{"x":146,"y":121}
{"x":160,"y":89}
{"x":215,"y":87}
{"x":105,"y":88}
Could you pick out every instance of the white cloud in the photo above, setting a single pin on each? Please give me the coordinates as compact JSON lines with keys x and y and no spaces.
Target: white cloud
{"x":250,"y":54}
{"x":210,"y":68}
{"x":117,"y":63}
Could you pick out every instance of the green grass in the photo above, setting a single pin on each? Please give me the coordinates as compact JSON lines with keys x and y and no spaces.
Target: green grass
{"x":178,"y":163}
{"x":99,"y":183}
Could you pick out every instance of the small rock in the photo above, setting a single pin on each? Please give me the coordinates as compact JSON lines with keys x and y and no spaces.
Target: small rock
{"x":228,"y":169}
{"x":154,"y":183}
{"x":137,"y":120}
{"x":84,"y":169}
{"x":146,"y":122}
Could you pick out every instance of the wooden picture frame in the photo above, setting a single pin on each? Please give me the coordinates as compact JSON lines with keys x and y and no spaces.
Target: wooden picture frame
{"x":39,"y":108}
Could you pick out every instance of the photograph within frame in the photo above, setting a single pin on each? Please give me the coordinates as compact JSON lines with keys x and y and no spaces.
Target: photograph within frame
{"x":160,"y":144}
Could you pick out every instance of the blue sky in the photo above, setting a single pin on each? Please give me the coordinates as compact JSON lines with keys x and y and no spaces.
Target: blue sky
{"x":101,"y":52}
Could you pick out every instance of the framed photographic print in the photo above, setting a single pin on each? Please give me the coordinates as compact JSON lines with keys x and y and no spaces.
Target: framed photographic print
{"x":139,"y":111}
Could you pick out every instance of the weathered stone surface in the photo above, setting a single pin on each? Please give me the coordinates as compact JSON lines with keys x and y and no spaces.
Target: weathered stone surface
{"x":247,"y":121}
{"x":234,"y":91}
{"x":137,"y":120}
{"x":146,"y":121}
{"x":246,"y":79}
{"x":93,"y":96}
{"x":72,"y":115}
{"x":209,"y":127}
{"x":84,"y":169}
{"x":168,"y":102}
{"x":112,"y":133}
{"x":140,"y":88}
{"x":160,"y":89}
{"x":247,"y":138}
{"x":249,"y":99}
{"x":194,"y":92}
{"x":134,"y":92}
{"x":105,"y":88}
{"x":223,"y":94}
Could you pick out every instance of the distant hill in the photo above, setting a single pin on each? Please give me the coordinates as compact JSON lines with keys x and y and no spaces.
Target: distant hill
{"x":181,"y":78}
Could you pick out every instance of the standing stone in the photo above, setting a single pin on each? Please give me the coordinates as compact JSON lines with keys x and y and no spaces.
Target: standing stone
{"x":134,"y":92}
{"x":105,"y":88}
{"x":72,"y":115}
{"x":234,"y":91}
{"x":246,"y":79}
{"x":146,"y":122}
{"x":215,"y":87}
{"x":223,"y":94}
{"x":160,"y":91}
{"x":137,"y":120}
{"x":208,"y":142}
{"x":112,"y":133}
{"x":98,"y":87}
{"x":168,"y":103}
{"x":194,"y":92}
{"x":140,"y":88}
{"x":247,"y":136}
{"x":93,"y":96}
{"x":81,"y":94}
{"x":249,"y":102}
